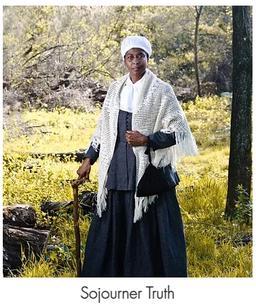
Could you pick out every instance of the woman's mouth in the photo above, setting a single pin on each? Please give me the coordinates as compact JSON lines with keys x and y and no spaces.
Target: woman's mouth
{"x":136,"y":69}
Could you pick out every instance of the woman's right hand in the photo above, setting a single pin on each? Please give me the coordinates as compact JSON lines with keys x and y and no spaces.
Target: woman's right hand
{"x":84,"y":170}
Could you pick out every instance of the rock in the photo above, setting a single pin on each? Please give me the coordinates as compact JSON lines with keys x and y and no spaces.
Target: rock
{"x":87,"y":201}
{"x":208,"y":88}
{"x":99,"y":95}
{"x":226,"y":94}
{"x":19,"y":215}
{"x":184,"y":94}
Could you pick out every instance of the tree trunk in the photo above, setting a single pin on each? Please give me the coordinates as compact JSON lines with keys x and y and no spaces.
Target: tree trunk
{"x":198,"y":14}
{"x":240,"y":159}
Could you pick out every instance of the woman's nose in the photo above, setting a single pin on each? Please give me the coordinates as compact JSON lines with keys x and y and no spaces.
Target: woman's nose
{"x":135,"y":60}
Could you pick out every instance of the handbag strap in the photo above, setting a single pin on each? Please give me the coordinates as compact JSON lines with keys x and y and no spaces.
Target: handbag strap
{"x":148,"y":153}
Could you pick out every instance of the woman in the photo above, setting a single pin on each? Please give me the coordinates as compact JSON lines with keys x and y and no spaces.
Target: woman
{"x":133,"y":236}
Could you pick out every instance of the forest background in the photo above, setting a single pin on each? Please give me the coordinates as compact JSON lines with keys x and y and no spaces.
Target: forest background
{"x":58,"y":63}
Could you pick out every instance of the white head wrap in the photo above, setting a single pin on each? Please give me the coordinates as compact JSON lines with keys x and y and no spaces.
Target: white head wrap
{"x":139,"y":42}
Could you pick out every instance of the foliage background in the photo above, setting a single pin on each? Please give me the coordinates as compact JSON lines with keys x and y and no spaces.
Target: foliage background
{"x":46,"y":46}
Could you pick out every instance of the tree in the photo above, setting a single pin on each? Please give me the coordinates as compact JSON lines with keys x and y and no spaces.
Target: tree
{"x":198,"y":14}
{"x":240,"y":159}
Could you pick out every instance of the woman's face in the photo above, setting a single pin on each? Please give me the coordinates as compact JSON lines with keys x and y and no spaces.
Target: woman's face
{"x":136,"y":62}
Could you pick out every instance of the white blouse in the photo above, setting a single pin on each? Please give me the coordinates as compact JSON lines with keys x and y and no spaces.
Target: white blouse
{"x":130,"y":93}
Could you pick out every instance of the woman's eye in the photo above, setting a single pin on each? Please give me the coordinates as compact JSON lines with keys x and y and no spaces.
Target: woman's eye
{"x":139,"y":56}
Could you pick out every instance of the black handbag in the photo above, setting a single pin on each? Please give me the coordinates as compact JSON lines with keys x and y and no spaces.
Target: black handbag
{"x":153,"y":180}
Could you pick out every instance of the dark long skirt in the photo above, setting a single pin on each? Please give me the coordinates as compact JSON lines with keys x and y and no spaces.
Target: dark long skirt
{"x":152,"y":247}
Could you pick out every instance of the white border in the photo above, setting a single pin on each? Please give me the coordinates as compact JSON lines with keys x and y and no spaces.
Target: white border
{"x":188,"y":290}
{"x":1,"y":137}
{"x":130,"y":2}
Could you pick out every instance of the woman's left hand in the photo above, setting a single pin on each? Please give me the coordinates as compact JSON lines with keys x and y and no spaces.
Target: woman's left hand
{"x":135,"y":138}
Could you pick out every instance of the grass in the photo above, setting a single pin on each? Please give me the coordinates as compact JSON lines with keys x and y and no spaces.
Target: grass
{"x":214,"y":245}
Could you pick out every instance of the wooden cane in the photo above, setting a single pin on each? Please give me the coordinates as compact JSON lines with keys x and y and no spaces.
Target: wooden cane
{"x":75,"y":184}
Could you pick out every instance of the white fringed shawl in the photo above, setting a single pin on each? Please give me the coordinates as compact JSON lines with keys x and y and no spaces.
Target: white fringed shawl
{"x":157,"y":109}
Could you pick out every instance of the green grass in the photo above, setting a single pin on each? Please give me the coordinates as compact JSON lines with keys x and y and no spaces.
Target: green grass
{"x":213,"y":244}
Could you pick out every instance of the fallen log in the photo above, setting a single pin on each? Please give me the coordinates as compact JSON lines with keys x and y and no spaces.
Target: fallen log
{"x":75,"y":156}
{"x":51,"y":208}
{"x":20,"y":242}
{"x":87,"y":202}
